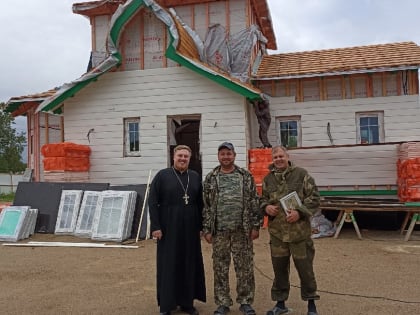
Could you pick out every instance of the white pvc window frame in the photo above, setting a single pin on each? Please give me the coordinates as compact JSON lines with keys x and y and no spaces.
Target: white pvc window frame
{"x":132,"y":136}
{"x":68,"y":211}
{"x":114,"y":215}
{"x":12,"y":223}
{"x":87,"y":213}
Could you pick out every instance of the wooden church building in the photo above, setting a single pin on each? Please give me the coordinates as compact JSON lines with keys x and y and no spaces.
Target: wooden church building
{"x":167,"y":72}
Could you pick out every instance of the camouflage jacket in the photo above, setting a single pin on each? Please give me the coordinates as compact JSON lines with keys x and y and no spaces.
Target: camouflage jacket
{"x":252,"y":217}
{"x":276,"y":185}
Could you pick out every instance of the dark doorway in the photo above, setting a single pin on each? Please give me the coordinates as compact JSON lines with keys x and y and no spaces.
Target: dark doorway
{"x":185,"y":130}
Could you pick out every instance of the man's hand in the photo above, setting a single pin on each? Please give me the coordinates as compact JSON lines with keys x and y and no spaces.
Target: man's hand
{"x":292,"y":216}
{"x":272,"y":210}
{"x":208,"y":238}
{"x":157,"y":234}
{"x":254,"y":234}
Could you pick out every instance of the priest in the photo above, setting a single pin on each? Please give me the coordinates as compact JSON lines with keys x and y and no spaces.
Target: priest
{"x":175,"y":206}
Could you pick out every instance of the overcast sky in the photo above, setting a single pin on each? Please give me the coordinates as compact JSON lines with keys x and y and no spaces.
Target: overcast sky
{"x":44,"y":44}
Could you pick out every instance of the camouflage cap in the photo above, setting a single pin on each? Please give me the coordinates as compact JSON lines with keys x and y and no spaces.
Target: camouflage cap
{"x":226,"y":145}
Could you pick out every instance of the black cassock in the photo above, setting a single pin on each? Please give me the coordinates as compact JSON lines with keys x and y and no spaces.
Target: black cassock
{"x":180,"y":269}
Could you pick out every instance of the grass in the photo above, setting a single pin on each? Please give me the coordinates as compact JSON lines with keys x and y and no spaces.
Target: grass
{"x":7,"y":197}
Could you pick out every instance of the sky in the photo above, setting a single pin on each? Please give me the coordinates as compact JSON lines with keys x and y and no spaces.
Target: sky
{"x":44,"y":44}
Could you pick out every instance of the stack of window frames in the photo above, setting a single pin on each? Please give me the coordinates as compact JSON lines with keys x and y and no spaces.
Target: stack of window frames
{"x":114,"y":215}
{"x":17,"y":222}
{"x":106,"y":215}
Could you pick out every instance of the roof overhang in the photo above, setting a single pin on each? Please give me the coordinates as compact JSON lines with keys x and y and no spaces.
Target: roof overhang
{"x":120,"y":18}
{"x":329,"y":74}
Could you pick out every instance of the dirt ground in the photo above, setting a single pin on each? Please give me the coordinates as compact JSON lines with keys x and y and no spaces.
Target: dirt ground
{"x":376,"y":275}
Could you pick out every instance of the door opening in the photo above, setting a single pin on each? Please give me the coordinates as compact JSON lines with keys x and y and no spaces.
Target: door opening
{"x":185,"y":130}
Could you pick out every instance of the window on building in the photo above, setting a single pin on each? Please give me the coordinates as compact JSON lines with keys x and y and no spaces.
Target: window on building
{"x":132,"y":136}
{"x":370,"y":127}
{"x":289,"y":131}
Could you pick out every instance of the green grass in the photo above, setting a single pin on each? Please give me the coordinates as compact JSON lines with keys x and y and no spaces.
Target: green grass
{"x":7,"y":197}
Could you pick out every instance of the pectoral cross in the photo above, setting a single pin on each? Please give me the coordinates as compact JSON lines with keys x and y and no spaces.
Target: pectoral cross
{"x":186,"y":197}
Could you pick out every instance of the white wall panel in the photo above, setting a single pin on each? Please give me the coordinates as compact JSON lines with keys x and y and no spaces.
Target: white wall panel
{"x":102,"y":105}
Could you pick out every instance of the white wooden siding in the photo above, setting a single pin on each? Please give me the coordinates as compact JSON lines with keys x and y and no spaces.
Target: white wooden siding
{"x":368,"y":167}
{"x":151,"y":95}
{"x":401,"y":116}
{"x":347,"y":166}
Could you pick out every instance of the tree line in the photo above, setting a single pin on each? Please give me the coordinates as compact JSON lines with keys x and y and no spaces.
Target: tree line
{"x":12,"y":144}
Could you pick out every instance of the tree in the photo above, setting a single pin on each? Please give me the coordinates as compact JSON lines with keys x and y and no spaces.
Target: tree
{"x":11,"y":144}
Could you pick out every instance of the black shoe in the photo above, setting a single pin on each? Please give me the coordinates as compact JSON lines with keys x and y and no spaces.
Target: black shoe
{"x":221,"y":310}
{"x":277,"y":311}
{"x":247,"y":309}
{"x":189,"y":310}
{"x":165,"y":313}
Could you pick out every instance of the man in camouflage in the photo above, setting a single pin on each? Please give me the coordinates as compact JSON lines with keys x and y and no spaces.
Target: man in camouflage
{"x":231,"y":221}
{"x":290,"y":229}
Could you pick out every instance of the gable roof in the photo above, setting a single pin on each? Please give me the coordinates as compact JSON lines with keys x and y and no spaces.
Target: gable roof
{"x":261,"y":10}
{"x":18,"y":105}
{"x":177,"y":35}
{"x":360,"y":59}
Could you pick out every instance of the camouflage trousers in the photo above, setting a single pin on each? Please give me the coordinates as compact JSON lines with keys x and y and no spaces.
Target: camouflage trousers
{"x":303,"y":254}
{"x":238,"y":245}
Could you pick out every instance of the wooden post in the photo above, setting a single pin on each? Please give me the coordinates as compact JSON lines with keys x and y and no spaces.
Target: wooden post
{"x":144,"y":205}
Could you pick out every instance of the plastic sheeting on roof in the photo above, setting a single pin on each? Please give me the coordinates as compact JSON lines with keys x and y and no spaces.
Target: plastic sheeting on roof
{"x":119,"y":19}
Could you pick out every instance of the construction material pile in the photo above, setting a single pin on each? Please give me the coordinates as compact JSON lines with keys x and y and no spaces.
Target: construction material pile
{"x":408,"y":168}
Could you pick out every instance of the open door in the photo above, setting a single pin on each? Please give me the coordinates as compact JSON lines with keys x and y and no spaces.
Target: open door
{"x":185,"y":129}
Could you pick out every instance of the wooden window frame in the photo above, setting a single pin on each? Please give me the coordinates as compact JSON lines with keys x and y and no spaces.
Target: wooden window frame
{"x":381,"y":129}
{"x":297,"y":119}
{"x":128,"y":152}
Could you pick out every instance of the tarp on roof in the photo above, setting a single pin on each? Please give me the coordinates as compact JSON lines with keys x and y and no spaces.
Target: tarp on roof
{"x":122,"y":16}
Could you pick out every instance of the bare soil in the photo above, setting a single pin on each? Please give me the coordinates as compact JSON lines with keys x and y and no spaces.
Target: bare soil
{"x":376,"y":275}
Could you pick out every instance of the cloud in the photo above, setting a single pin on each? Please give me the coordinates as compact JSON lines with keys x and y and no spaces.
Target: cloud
{"x":44,"y":46}
{"x":322,"y":24}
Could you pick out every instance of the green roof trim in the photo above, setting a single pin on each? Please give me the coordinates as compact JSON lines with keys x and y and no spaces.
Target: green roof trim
{"x":128,"y":10}
{"x":229,"y":84}
{"x":11,"y":107}
{"x":65,"y":95}
{"x":123,"y":18}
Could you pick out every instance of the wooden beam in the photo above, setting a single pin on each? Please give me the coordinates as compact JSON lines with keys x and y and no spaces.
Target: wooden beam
{"x":352,"y":93}
{"x":399,"y":83}
{"x":369,"y":85}
{"x":343,"y":87}
{"x":47,"y":128}
{"x":23,"y":109}
{"x":384,"y":78}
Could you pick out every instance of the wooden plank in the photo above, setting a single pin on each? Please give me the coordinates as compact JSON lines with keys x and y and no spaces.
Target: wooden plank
{"x":62,"y":244}
{"x":414,"y":220}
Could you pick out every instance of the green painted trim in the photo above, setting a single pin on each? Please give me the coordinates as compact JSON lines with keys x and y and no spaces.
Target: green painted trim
{"x":412,"y":204}
{"x":120,"y":22}
{"x":173,"y":55}
{"x":12,"y":107}
{"x":69,"y":93}
{"x":115,"y":32}
{"x":357,"y":192}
